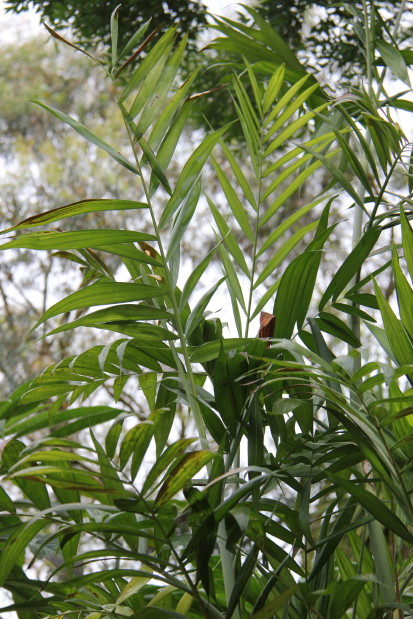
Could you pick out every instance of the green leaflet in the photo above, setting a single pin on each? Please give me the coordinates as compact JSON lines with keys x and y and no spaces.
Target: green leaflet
{"x":102,"y":293}
{"x":37,"y":493}
{"x":172,"y":110}
{"x":89,"y":135}
{"x":78,"y":239}
{"x":169,"y":142}
{"x":237,"y":208}
{"x":282,"y":253}
{"x":373,"y":506}
{"x":63,"y":422}
{"x":155,"y":165}
{"x":190,"y":174}
{"x":296,"y":287}
{"x":116,"y":314}
{"x":197,"y":313}
{"x":404,"y":295}
{"x":394,"y":60}
{"x":114,"y":31}
{"x":228,"y":238}
{"x":194,"y":278}
{"x":273,"y":88}
{"x":211,"y":350}
{"x":161,"y":47}
{"x":398,"y":339}
{"x":351,"y":265}
{"x":136,"y":442}
{"x":135,"y":38}
{"x":169,"y":455}
{"x":267,"y":612}
{"x":183,"y":219}
{"x":407,"y":241}
{"x":334,"y":326}
{"x":182,"y":473}
{"x":76,"y":208}
{"x":381,"y":554}
{"x":16,"y":545}
{"x":155,"y":102}
{"x":286,"y":224}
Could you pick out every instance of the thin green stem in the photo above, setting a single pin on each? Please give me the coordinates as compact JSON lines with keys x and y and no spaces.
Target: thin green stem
{"x":185,"y":373}
{"x":382,"y":191}
{"x":227,"y":562}
{"x":369,"y":48}
{"x":256,"y":235}
{"x":360,"y":566}
{"x":355,"y":325}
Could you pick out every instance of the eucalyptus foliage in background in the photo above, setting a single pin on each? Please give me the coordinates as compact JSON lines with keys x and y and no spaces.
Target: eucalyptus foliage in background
{"x":292,"y":498}
{"x":90,"y":21}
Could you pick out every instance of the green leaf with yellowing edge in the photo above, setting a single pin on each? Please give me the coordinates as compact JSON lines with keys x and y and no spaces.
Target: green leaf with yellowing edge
{"x":182,"y":474}
{"x":76,"y":208}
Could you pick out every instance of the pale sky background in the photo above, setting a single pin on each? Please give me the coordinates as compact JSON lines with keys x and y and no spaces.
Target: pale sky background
{"x":14,"y":27}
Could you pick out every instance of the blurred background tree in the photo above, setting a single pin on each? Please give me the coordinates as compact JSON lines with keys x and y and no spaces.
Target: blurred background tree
{"x":45,"y":165}
{"x":320,"y":28}
{"x":328,"y":32}
{"x":90,"y":20}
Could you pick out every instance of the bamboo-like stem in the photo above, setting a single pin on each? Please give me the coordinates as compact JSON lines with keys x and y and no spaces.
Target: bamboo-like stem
{"x":357,"y":232}
{"x":256,"y":236}
{"x":185,"y":374}
{"x":188,"y":381}
{"x":227,"y":562}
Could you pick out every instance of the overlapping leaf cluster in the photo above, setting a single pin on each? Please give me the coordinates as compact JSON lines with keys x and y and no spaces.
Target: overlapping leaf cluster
{"x":293,"y":499}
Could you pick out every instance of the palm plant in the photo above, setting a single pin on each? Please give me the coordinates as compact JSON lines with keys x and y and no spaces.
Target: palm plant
{"x":293,"y":499}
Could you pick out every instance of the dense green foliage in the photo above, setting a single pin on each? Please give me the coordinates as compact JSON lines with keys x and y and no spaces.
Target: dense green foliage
{"x":289,"y":491}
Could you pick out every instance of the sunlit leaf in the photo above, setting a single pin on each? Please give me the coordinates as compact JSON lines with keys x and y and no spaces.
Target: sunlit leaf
{"x":161,"y":47}
{"x":398,"y":339}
